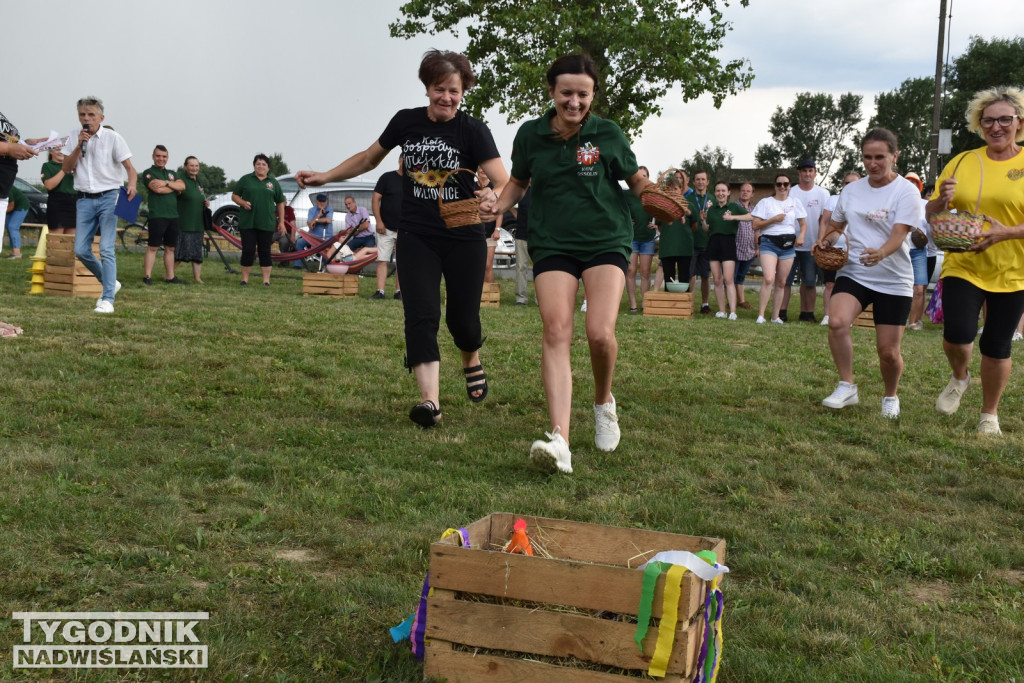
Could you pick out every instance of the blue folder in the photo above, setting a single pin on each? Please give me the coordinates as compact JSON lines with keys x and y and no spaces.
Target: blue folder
{"x":125,"y":208}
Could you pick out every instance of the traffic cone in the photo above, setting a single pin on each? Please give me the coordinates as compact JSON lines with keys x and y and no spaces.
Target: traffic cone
{"x":38,"y":268}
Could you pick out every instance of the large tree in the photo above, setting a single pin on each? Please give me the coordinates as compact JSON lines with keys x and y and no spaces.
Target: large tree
{"x":816,"y":126}
{"x":714,"y":160}
{"x":907,"y":112}
{"x":642,"y":48}
{"x":985,"y":64}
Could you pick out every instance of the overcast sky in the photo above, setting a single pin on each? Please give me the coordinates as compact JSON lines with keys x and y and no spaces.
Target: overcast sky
{"x":317,"y":80}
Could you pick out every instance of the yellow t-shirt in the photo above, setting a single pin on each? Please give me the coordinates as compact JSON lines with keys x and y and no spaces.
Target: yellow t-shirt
{"x":1000,"y":268}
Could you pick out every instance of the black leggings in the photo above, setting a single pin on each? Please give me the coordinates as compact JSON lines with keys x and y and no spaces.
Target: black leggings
{"x":961,"y":304}
{"x":669,"y":264}
{"x":253,"y":241}
{"x":423,"y":261}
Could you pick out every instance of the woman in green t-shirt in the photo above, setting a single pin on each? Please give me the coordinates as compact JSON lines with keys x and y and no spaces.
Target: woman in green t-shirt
{"x":260,"y":197}
{"x":722,"y":219}
{"x":580,"y":226}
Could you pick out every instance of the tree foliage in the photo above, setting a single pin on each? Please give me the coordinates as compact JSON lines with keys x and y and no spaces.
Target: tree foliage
{"x":212,"y":178}
{"x":907,"y":112}
{"x":714,"y":160}
{"x":816,"y":126}
{"x":277,"y":165}
{"x":985,"y":64}
{"x":642,"y":48}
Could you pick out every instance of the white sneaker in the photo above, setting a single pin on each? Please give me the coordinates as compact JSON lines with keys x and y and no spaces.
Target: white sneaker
{"x":891,"y":407}
{"x":824,"y":321}
{"x":948,"y":401}
{"x":117,"y":288}
{"x":989,"y":424}
{"x":760,"y":320}
{"x":583,"y":308}
{"x":1017,"y":336}
{"x":720,"y":314}
{"x":551,"y":456}
{"x":732,"y":316}
{"x":844,"y":395}
{"x":104,"y":307}
{"x":606,"y":426}
{"x":778,"y":321}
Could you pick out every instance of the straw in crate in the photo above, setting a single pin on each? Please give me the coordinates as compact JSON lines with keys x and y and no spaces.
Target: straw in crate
{"x":959,"y":231}
{"x":664,"y":200}
{"x":461,"y":212}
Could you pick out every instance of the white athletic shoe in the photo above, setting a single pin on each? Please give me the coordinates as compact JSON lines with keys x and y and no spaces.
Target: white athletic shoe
{"x":824,"y":321}
{"x":583,"y":308}
{"x":1017,"y":336}
{"x":989,"y":424}
{"x":720,"y":314}
{"x":117,"y":288}
{"x":844,"y":395}
{"x":948,"y":401}
{"x":104,"y":307}
{"x":606,"y":426}
{"x":551,"y":456}
{"x":760,"y":320}
{"x":732,"y":316}
{"x":778,"y":321}
{"x":891,"y":407}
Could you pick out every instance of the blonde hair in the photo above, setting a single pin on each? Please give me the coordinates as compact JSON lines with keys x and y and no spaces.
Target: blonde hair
{"x":986,"y":98}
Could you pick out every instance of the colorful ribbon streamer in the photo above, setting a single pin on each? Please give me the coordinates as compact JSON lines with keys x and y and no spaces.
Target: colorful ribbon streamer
{"x":417,"y":630}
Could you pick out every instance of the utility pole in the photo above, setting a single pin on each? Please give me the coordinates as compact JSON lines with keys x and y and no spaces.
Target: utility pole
{"x":933,"y":157}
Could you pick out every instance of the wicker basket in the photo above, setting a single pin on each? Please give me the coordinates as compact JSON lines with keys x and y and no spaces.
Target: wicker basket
{"x":663,"y":203}
{"x":461,"y":212}
{"x":959,"y":231}
{"x":829,"y":258}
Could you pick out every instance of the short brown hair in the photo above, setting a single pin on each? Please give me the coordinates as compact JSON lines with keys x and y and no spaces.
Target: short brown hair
{"x":881,"y":135}
{"x":437,"y":65}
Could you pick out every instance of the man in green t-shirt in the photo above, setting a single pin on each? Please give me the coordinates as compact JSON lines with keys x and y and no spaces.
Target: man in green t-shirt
{"x":163,"y":185}
{"x":700,"y":201}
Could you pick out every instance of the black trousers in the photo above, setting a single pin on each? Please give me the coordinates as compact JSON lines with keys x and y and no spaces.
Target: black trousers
{"x":254,"y":241}
{"x":423,"y":261}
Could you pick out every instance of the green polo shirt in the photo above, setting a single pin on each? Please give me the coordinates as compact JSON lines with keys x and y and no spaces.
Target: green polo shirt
{"x":18,"y":199}
{"x":160,"y":205}
{"x":700,"y":238}
{"x":717,"y":225}
{"x":676,"y":239}
{"x":577,"y":207}
{"x":265,"y":195}
{"x":67,"y":183}
{"x":190,"y":206}
{"x":642,"y":230}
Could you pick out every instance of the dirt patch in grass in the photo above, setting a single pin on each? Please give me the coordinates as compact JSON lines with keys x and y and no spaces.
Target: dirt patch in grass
{"x":929,"y":593}
{"x":296,"y":555}
{"x":1014,"y":577}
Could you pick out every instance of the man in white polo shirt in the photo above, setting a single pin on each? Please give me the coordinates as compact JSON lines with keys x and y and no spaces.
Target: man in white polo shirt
{"x":96,"y":156}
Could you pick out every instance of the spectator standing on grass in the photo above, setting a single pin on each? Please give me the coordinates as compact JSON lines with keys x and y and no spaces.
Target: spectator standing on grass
{"x":991,"y":273}
{"x":192,"y":203}
{"x":523,"y":262}
{"x":436,"y":140}
{"x":876,"y":214}
{"x":699,"y":203}
{"x":357,"y":221}
{"x":387,"y":207}
{"x":259,"y":196}
{"x":644,"y":233}
{"x":829,"y":276}
{"x":17,"y":209}
{"x":919,"y":259}
{"x":746,"y":246}
{"x":61,"y":197}
{"x":11,"y":151}
{"x":722,"y":219}
{"x":96,"y":155}
{"x":814,"y":198}
{"x":163,"y":185}
{"x":580,"y":228}
{"x":781,"y":223}
{"x":492,"y":230}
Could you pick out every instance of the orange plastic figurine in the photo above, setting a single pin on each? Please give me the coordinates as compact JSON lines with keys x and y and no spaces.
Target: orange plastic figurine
{"x":520,"y":542}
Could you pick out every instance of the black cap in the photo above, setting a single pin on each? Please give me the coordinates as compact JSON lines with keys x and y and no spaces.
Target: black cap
{"x":807,"y":163}
{"x":321,"y":197}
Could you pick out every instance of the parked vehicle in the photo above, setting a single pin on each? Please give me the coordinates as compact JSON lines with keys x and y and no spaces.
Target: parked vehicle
{"x":36,"y":199}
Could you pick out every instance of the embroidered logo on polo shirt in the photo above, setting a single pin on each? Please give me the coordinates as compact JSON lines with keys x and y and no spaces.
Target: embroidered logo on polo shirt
{"x":270,"y":186}
{"x":1015,"y":173}
{"x":588,"y":154}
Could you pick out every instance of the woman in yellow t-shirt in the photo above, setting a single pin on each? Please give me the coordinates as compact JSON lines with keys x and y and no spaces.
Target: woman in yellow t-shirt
{"x":992,"y":271}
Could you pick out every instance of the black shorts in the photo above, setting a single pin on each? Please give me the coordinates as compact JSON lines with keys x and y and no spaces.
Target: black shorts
{"x":61,"y":210}
{"x":575,"y":267}
{"x":888,"y":309}
{"x":961,"y":304}
{"x":721,"y":248}
{"x":163,"y":232}
{"x":699,"y":264}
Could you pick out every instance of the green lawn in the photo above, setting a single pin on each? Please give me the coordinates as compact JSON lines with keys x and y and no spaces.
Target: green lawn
{"x":246,"y":451}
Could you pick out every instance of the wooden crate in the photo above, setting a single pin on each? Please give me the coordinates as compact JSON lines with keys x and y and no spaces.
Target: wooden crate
{"x":330,"y":284}
{"x":491,"y":296}
{"x":866,"y":319}
{"x":668,"y":304}
{"x":493,"y":614}
{"x":64,"y":274}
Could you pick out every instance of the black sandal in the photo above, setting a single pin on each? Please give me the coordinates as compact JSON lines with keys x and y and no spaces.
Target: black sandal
{"x":476,"y":380}
{"x":425,"y":414}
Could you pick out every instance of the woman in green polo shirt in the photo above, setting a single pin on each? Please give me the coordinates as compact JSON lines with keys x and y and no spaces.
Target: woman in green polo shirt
{"x":580,"y":226}
{"x":259,"y":195}
{"x":722,"y":219}
{"x":191,"y":203}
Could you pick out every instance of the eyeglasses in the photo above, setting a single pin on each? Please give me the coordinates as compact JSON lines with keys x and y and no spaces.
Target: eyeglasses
{"x":1004,"y":121}
{"x":781,"y":184}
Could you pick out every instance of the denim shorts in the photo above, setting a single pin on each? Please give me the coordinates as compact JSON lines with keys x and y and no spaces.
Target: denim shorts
{"x":643,"y":248}
{"x":768,"y":247}
{"x":741,"y":271}
{"x":919,"y":260}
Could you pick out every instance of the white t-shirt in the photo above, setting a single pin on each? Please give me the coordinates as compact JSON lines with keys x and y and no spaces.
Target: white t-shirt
{"x":870,"y":214}
{"x":770,"y":207}
{"x":99,"y":169}
{"x":830,"y":205}
{"x":814,"y":201}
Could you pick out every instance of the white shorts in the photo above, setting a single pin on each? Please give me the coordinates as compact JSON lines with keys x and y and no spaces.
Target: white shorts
{"x":385,"y":245}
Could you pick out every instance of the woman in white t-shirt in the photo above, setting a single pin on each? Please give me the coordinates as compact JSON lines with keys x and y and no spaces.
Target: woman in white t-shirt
{"x":876,"y":214}
{"x":780,"y":223}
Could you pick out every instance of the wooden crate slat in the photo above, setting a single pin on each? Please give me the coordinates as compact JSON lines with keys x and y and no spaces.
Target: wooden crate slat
{"x":669,"y":304}
{"x":330,"y":284}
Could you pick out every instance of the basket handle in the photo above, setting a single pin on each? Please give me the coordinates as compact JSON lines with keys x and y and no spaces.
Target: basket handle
{"x":665,"y":173}
{"x":981,"y":176}
{"x":444,"y":180}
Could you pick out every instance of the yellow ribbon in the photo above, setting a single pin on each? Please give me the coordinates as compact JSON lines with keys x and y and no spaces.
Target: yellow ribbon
{"x":669,"y":618}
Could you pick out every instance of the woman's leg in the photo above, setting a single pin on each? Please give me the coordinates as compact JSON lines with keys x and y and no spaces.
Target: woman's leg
{"x":769,"y":263}
{"x":248,"y":253}
{"x":781,"y":274}
{"x":716,"y":273}
{"x":728,"y":272}
{"x":464,"y":272}
{"x":890,"y":360}
{"x":645,"y":273}
{"x":634,"y":260}
{"x":603,"y":285}
{"x":843,"y":310}
{"x":489,"y":265}
{"x":556,"y":297}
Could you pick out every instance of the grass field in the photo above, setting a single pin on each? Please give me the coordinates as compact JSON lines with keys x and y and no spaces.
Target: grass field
{"x":246,"y":451}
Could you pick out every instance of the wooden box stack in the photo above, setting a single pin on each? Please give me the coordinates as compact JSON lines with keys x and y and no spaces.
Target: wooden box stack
{"x":501,"y":616}
{"x":866,"y":319}
{"x":491,"y":296}
{"x":64,"y":274}
{"x":330,"y":284}
{"x":668,"y":304}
